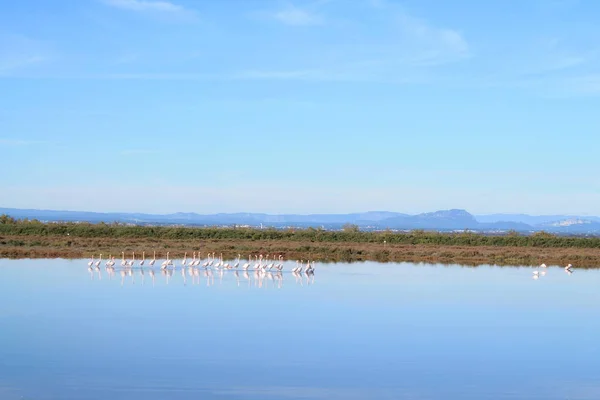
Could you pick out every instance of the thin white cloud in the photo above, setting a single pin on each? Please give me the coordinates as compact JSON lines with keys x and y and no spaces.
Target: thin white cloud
{"x":18,"y":52}
{"x":295,"y":16}
{"x":167,"y":76}
{"x":403,"y":52}
{"x":17,"y":62}
{"x":19,"y":142}
{"x":143,"y":5}
{"x":130,"y":152}
{"x":588,"y":85}
{"x":126,"y":59}
{"x":432,"y":45}
{"x":160,"y":9}
{"x":307,"y":74}
{"x":341,"y":73}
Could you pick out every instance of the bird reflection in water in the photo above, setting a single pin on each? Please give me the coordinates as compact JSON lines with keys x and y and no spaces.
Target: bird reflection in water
{"x":110,"y":270}
{"x":537,"y":274}
{"x":259,"y":278}
{"x":152,"y":275}
{"x":184,"y":276}
{"x":168,"y":273}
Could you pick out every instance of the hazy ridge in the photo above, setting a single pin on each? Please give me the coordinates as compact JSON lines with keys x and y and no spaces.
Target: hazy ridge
{"x":443,"y":220}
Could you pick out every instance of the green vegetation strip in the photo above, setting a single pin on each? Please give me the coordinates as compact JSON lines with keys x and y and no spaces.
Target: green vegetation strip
{"x":351,"y":234}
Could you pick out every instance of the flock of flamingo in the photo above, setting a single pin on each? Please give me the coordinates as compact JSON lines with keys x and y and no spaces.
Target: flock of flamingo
{"x":257,"y":263}
{"x":258,"y":278}
{"x":265,"y":268}
{"x":537,"y":273}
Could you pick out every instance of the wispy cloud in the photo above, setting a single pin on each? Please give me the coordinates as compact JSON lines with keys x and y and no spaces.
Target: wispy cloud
{"x":165,"y":9}
{"x":295,"y":16}
{"x":583,"y":85}
{"x":142,"y":5}
{"x":340,"y":73}
{"x":18,"y":52}
{"x":17,"y":62}
{"x":19,"y":142}
{"x":126,"y":59}
{"x":432,"y":45}
{"x":166,"y":76}
{"x":130,"y":152}
{"x":306,"y":74}
{"x":404,"y":50}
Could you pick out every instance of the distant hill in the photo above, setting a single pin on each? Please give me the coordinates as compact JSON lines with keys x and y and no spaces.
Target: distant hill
{"x":254,"y":219}
{"x":532,"y":220}
{"x":443,"y":220}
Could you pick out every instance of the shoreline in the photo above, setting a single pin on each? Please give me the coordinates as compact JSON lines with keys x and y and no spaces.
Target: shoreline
{"x":29,"y":246}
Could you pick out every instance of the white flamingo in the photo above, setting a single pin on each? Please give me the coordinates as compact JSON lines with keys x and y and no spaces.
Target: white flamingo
{"x":300,"y":267}
{"x":237,"y":263}
{"x":309,"y":268}
{"x":272,"y":264}
{"x":91,"y":261}
{"x":258,"y":261}
{"x":224,"y":265}
{"x":247,"y":265}
{"x":143,"y":258}
{"x":132,"y":259}
{"x":207,"y":262}
{"x":153,"y":260}
{"x":165,"y":263}
{"x":568,"y":267}
{"x":123,"y":262}
{"x":99,"y":261}
{"x":295,"y":269}
{"x":184,"y":262}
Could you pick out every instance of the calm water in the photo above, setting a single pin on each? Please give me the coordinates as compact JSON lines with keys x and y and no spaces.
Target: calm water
{"x":355,"y":331}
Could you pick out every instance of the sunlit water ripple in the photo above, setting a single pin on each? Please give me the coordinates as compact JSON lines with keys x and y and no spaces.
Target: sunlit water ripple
{"x":350,"y":331}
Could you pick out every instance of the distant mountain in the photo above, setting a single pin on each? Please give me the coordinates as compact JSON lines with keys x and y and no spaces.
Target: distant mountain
{"x":439,"y":220}
{"x":571,"y":225}
{"x":529,"y":219}
{"x":444,"y":220}
{"x":254,"y":219}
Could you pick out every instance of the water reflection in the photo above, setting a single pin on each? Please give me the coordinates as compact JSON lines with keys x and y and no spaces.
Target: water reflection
{"x":542,"y":271}
{"x":196,"y":276}
{"x":365,"y":331}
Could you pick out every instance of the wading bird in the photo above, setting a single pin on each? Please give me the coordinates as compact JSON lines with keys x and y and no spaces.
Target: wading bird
{"x":568,"y":267}
{"x":153,"y":260}
{"x":166,"y":262}
{"x":247,"y":265}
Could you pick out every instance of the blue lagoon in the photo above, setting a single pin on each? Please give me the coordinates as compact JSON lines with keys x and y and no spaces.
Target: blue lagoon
{"x":350,"y":331}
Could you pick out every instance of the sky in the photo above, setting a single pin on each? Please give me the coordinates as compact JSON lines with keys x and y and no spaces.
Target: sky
{"x":304,"y":106}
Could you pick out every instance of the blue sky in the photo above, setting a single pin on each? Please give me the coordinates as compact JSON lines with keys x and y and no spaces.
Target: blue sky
{"x":300,"y":106}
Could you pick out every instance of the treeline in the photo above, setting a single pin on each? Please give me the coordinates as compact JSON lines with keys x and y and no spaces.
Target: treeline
{"x":10,"y":226}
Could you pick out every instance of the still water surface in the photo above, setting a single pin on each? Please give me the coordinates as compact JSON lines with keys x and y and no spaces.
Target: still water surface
{"x":352,"y":331}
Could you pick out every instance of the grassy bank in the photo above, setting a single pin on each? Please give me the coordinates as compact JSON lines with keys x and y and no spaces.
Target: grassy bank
{"x":32,"y":239}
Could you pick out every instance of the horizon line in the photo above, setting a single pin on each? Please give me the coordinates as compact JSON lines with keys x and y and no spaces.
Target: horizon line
{"x":303,"y":214}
